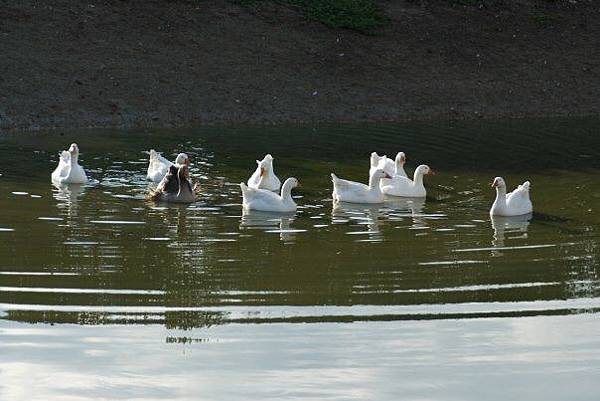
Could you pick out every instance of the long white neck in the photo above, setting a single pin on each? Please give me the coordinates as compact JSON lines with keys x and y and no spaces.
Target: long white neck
{"x":265,"y":176}
{"x":400,"y":169}
{"x":374,"y":183}
{"x":74,"y":158}
{"x":500,"y":197}
{"x":286,"y":190}
{"x":418,"y":177}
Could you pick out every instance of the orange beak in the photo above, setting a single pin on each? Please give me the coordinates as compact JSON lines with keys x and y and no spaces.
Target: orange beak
{"x":431,"y":172}
{"x":262,"y":171}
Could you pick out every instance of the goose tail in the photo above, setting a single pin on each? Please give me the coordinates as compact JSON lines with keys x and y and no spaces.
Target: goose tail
{"x":65,"y":156}
{"x":244,"y":188}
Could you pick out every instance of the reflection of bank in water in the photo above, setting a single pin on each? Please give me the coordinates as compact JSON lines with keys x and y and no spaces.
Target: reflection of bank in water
{"x":270,"y":222}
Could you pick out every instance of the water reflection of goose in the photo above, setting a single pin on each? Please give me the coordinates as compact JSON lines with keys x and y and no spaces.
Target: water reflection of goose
{"x":410,"y":205}
{"x":407,"y":207}
{"x":270,"y":222}
{"x":67,"y":195}
{"x":363,"y":214}
{"x":504,"y":226}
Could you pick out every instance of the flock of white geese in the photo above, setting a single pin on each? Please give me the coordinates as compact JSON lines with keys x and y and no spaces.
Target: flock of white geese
{"x":264,"y":191}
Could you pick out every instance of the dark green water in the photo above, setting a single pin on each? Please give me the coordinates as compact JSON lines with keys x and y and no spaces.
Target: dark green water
{"x":106,"y":296}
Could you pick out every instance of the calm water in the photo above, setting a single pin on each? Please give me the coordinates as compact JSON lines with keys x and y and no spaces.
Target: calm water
{"x":106,"y":296}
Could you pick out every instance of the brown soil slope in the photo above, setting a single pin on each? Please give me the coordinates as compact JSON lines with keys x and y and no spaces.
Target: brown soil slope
{"x":175,"y":63}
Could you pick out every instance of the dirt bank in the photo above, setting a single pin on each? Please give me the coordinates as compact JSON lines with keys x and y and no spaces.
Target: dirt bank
{"x":182,"y":63}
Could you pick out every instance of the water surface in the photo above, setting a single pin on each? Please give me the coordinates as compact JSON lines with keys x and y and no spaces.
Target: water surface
{"x":104,"y":295}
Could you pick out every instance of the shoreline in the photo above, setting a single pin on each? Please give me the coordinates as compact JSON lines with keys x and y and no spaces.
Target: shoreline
{"x":183,"y":64}
{"x":434,"y":119}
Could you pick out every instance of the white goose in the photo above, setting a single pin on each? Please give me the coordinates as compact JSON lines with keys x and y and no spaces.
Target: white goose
{"x":381,"y":162}
{"x":398,"y":163}
{"x":515,"y":203}
{"x":267,"y":201}
{"x":158,"y":166}
{"x":403,"y":186}
{"x":264,"y":176}
{"x":68,"y":170}
{"x":355,"y":192}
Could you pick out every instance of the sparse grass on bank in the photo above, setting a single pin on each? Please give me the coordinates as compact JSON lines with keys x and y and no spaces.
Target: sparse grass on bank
{"x":359,"y":15}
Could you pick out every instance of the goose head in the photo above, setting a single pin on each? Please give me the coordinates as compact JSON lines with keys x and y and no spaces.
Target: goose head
{"x":379,"y":174}
{"x":375,"y":178}
{"x":288,"y":185}
{"x":498,"y":183}
{"x":74,"y":149}
{"x":400,"y":159}
{"x":292,"y":182}
{"x":423,"y":169}
{"x":182,"y":159}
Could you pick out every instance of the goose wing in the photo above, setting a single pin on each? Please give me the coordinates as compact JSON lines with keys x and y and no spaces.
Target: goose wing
{"x":521,"y":193}
{"x":346,"y":185}
{"x":65,"y":157}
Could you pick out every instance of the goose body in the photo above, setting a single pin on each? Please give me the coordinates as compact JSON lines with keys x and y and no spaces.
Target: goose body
{"x":515,"y":203}
{"x":403,"y":186}
{"x":264,"y":176}
{"x":355,"y":192}
{"x":267,"y":201}
{"x":68,"y":170}
{"x":175,"y":187}
{"x":158,"y":166}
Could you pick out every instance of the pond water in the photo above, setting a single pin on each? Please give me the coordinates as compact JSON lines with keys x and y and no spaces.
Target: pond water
{"x":106,"y":296}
